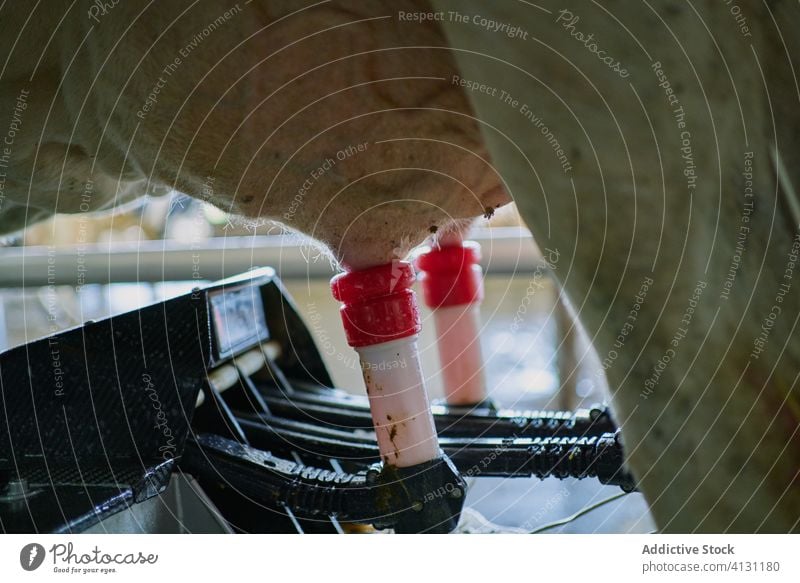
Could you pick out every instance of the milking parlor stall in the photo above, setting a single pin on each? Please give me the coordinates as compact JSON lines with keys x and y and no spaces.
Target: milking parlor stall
{"x":400,"y":268}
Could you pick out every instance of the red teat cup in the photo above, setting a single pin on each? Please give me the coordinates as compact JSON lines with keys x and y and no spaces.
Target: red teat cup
{"x":381,"y":321}
{"x":452,"y":285}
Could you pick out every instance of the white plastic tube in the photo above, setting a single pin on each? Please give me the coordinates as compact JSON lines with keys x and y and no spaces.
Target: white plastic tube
{"x":381,"y":321}
{"x":399,"y":403}
{"x":460,"y":353}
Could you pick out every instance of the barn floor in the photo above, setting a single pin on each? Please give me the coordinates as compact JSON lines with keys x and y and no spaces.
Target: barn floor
{"x":520,"y":366}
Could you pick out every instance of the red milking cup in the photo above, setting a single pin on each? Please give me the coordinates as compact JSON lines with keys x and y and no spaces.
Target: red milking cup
{"x":381,"y":321}
{"x":452,"y":285}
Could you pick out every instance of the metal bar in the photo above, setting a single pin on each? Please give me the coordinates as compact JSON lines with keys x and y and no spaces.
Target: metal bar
{"x":506,"y":250}
{"x":567,"y":355}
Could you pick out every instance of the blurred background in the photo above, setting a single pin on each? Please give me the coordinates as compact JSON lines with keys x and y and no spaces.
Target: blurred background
{"x":73,"y":268}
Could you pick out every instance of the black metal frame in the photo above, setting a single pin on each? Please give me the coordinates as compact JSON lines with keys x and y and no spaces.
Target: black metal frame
{"x":83,"y":416}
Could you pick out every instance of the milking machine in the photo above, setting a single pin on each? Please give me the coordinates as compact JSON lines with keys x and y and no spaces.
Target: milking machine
{"x":225,"y":387}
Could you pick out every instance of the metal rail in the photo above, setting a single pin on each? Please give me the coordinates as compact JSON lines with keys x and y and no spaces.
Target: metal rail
{"x":506,"y":250}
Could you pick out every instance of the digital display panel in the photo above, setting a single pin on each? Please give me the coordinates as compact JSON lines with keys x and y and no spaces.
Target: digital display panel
{"x":237,"y":318}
